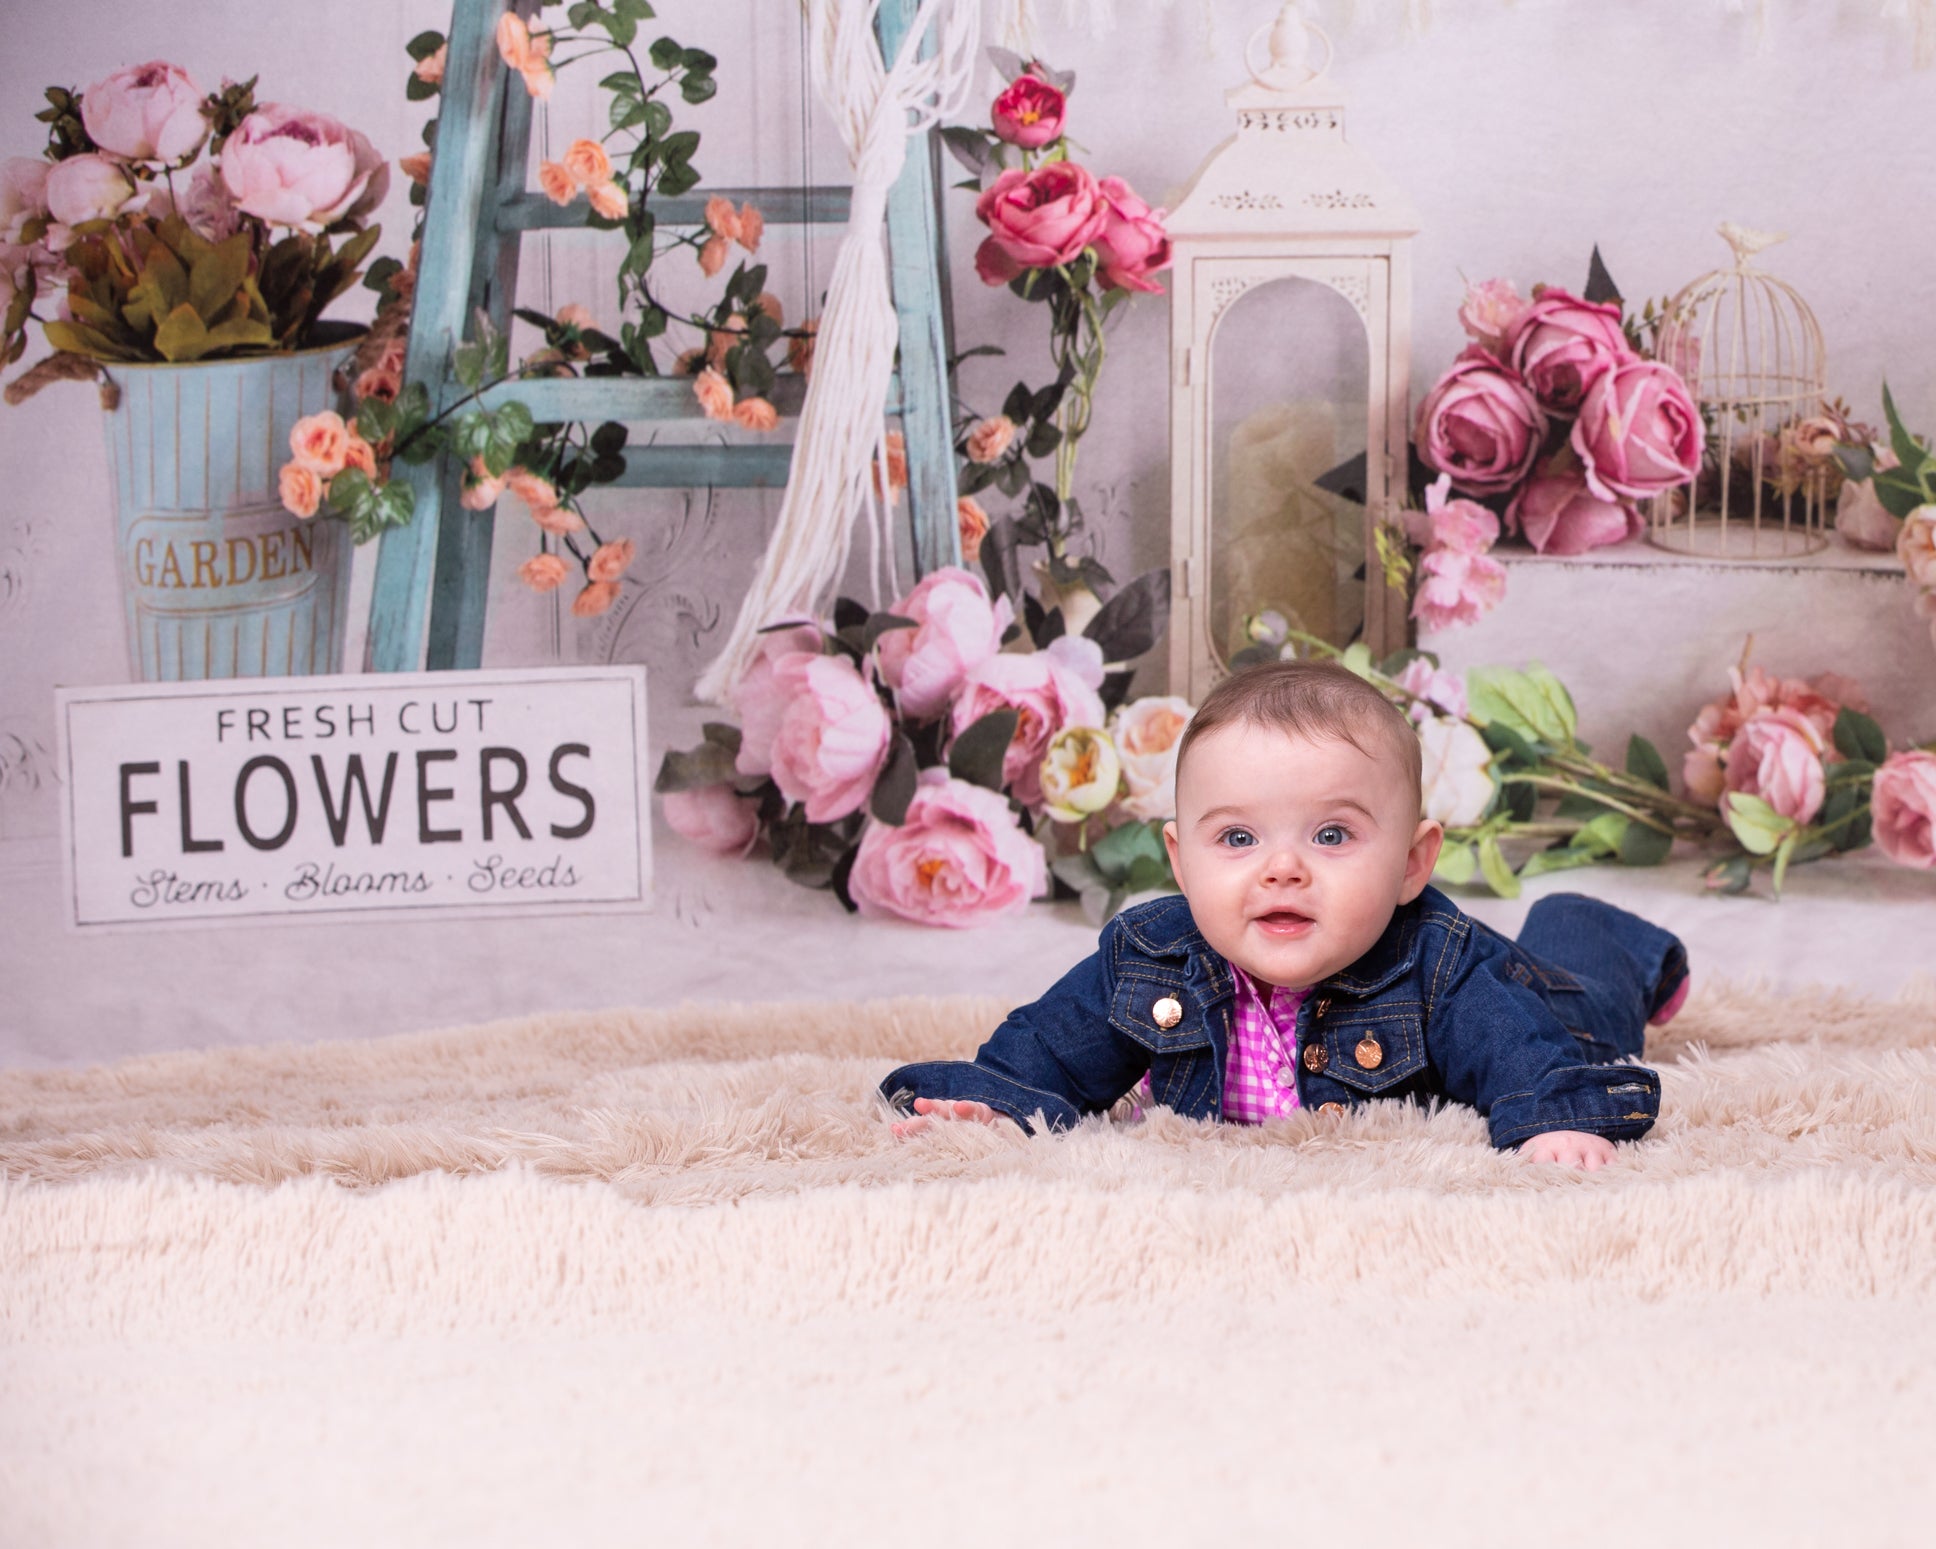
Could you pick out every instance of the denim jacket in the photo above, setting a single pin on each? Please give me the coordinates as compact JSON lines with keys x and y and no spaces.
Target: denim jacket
{"x":1440,"y":1007}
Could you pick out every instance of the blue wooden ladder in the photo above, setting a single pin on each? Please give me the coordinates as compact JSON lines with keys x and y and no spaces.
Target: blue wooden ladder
{"x":433,"y":577}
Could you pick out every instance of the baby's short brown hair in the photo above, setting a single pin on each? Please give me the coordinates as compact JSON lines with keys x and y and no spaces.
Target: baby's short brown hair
{"x":1310,"y":700}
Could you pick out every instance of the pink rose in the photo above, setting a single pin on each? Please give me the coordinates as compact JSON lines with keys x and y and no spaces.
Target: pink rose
{"x":150,"y":112}
{"x":957,"y":629}
{"x":714,"y":817}
{"x":958,"y":859}
{"x":1134,"y":243}
{"x":1481,"y":425}
{"x":1777,"y":755}
{"x":1562,"y":345}
{"x":1452,"y":524}
{"x":1560,"y":515}
{"x":292,"y":168}
{"x":992,"y":437}
{"x":760,"y":698}
{"x":1037,"y":220}
{"x":1147,"y":732}
{"x":1903,"y":808}
{"x":87,"y":188}
{"x":1456,"y":588}
{"x":1048,"y":690}
{"x":1639,"y":433}
{"x":833,"y":737}
{"x":1916,"y":546}
{"x":1443,"y":691}
{"x":1489,"y":313}
{"x":1029,"y":113}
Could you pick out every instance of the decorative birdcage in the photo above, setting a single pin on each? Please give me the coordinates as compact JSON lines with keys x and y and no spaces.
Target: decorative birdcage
{"x":1751,"y":352}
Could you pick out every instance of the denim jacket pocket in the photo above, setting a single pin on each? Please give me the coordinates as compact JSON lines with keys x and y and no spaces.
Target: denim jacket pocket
{"x":1140,"y":989}
{"x":1372,"y":1048}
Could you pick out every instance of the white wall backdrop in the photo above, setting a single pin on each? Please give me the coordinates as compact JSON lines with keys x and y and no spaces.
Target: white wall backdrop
{"x":1526,"y":132}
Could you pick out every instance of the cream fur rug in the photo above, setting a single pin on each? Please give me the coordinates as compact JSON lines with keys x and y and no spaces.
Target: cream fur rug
{"x":563,"y":1277}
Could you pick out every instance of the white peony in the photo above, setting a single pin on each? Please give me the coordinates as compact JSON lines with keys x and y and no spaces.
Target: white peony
{"x":1457,"y":782}
{"x":1081,"y":773}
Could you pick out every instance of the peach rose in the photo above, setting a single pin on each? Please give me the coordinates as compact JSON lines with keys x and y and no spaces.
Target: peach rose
{"x":894,"y":455}
{"x":481,"y":488}
{"x":611,"y":560}
{"x":956,"y":630}
{"x":715,"y":394}
{"x":587,"y":161}
{"x":992,"y":437}
{"x":572,"y":315}
{"x":360,"y":455}
{"x":378,"y":382}
{"x":752,"y":226}
{"x":301,"y":488}
{"x":971,"y":526}
{"x":557,"y":520}
{"x":595,"y":599}
{"x":1048,"y":689}
{"x":1777,"y":755}
{"x":689,"y":363}
{"x":321,"y":441}
{"x":1147,"y":732}
{"x":714,"y":817}
{"x":1904,"y":809}
{"x":712,"y":256}
{"x":755,"y":414}
{"x":543,"y":572}
{"x":721,"y":342}
{"x":533,"y":490}
{"x":513,"y":40}
{"x":770,"y":305}
{"x":800,"y":348}
{"x":833,"y":737}
{"x":556,"y":182}
{"x":417,"y":167}
{"x":430,"y":68}
{"x":1916,"y":546}
{"x":721,"y":218}
{"x":611,"y":200}
{"x":959,"y":858}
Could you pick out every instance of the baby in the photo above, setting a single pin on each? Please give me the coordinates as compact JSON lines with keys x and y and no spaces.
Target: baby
{"x":1308,"y":964}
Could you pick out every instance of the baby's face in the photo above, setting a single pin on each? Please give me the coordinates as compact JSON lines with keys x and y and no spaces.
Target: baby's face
{"x":1294,"y":854}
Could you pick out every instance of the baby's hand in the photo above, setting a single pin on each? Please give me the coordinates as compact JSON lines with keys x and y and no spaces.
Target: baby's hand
{"x":929,"y":1110}
{"x":1570,"y":1147}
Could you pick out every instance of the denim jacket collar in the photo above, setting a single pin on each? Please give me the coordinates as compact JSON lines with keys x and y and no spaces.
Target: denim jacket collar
{"x":1164,"y":928}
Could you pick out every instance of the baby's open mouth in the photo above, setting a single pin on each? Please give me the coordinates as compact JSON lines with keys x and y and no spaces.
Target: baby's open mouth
{"x":1284,"y":921}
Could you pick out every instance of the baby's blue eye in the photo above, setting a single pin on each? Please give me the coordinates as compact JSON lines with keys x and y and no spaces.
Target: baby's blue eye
{"x":1237,"y":838}
{"x":1332,"y":835}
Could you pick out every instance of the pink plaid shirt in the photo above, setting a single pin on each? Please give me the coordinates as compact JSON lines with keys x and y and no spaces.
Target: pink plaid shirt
{"x":1262,"y":1081}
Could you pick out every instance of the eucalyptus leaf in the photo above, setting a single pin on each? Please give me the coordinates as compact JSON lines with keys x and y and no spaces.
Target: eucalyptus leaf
{"x":1857,"y":736}
{"x":978,"y":752}
{"x":1131,"y":622}
{"x":1645,"y":763}
{"x":694,"y":768}
{"x":1644,"y":846}
{"x":894,"y":790}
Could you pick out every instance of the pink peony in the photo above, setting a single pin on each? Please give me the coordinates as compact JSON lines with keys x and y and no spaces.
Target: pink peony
{"x":714,"y":817}
{"x":1134,"y":244}
{"x":87,"y":188}
{"x":833,"y":737}
{"x":1038,"y":220}
{"x":1777,"y":755}
{"x":760,"y":698}
{"x":1029,"y":113}
{"x":958,"y":859}
{"x":1560,"y":515}
{"x":1489,"y":313}
{"x":1048,"y":689}
{"x":957,"y":629}
{"x":150,"y":112}
{"x":1456,"y":587}
{"x":292,"y":168}
{"x":1562,"y":345}
{"x":1904,"y":809}
{"x":1480,"y":424}
{"x":1444,"y":691}
{"x":1639,"y":433}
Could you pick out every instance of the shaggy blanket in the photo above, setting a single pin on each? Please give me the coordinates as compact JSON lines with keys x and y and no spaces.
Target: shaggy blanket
{"x":539,"y":1277}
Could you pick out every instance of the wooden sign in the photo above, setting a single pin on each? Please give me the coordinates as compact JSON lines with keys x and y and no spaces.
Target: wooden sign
{"x":385,"y":794}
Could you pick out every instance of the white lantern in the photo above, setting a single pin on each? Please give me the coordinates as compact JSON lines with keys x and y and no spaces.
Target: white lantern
{"x":1290,"y":351}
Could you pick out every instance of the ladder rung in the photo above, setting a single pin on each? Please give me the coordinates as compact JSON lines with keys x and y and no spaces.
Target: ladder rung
{"x":626,"y":398}
{"x":689,"y":467}
{"x":531,"y":211}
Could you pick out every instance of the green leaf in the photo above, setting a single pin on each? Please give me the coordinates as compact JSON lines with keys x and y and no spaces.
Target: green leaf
{"x":724,"y":733}
{"x":1458,"y":864}
{"x":1533,"y":703}
{"x":894,"y":790}
{"x":467,"y":363}
{"x":698,"y":88}
{"x":514,"y":423}
{"x":1123,"y":849}
{"x":1562,"y":857}
{"x":707,"y":764}
{"x":1357,"y":658}
{"x":881,"y":624}
{"x":978,"y":752}
{"x":181,"y":336}
{"x":1757,"y":825}
{"x":1644,"y":846}
{"x":1910,"y":453}
{"x":1784,"y":853}
{"x":423,"y":45}
{"x":666,"y":54}
{"x":1603,"y":835}
{"x":1645,"y":763}
{"x":1501,"y":738}
{"x":1859,"y":737}
{"x":1079,"y":871}
{"x":1728,"y":875}
{"x":1492,"y":864}
{"x":1131,"y":622}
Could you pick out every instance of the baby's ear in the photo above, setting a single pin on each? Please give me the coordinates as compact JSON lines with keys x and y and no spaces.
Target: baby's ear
{"x":1422,"y":858}
{"x":1169,"y":843}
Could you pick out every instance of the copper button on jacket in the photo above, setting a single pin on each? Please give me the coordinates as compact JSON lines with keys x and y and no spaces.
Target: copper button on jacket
{"x":1369,"y":1054}
{"x":1330,"y":1107}
{"x":1316,"y":1057}
{"x":1168,"y":1011}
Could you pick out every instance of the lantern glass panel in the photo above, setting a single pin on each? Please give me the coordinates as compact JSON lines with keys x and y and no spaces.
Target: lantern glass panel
{"x":1289,"y":405}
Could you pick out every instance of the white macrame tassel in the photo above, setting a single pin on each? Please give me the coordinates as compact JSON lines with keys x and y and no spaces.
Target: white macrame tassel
{"x":840,"y":435}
